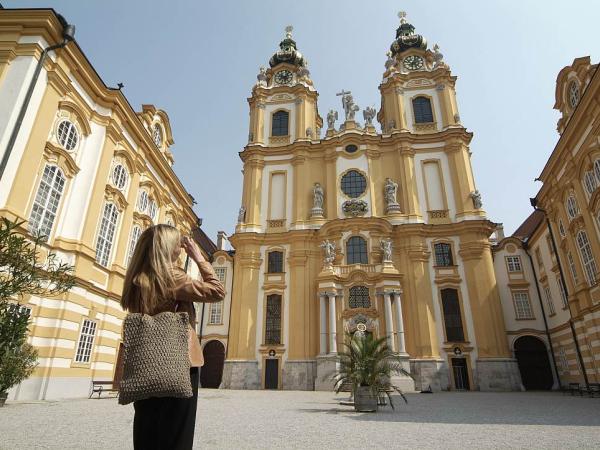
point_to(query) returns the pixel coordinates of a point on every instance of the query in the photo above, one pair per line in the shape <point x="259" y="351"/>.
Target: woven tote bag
<point x="156" y="360"/>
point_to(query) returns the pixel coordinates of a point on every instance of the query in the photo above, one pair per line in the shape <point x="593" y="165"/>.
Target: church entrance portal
<point x="532" y="357"/>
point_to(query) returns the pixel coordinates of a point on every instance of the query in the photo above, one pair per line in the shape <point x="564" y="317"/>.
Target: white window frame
<point x="47" y="200"/>
<point x="549" y="301"/>
<point x="572" y="207"/>
<point x="68" y="136"/>
<point x="120" y="179"/>
<point x="157" y="135"/>
<point x="522" y="305"/>
<point x="216" y="313"/>
<point x="590" y="269"/>
<point x="136" y="232"/>
<point x="514" y="263"/>
<point x="572" y="268"/>
<point x="107" y="232"/>
<point x="590" y="182"/>
<point x="221" y="273"/>
<point x="143" y="201"/>
<point x="574" y="94"/>
<point x="563" y="294"/>
<point x="85" y="342"/>
<point x="152" y="209"/>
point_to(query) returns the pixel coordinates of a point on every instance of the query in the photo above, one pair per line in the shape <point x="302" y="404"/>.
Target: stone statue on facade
<point x="242" y="214"/>
<point x="350" y="107"/>
<point x="329" y="249"/>
<point x="438" y="57"/>
<point x="476" y="197"/>
<point x="332" y="116"/>
<point x="386" y="248"/>
<point x="390" y="191"/>
<point x="318" y="197"/>
<point x="369" y="114"/>
<point x="390" y="63"/>
<point x="309" y="133"/>
<point x="262" y="77"/>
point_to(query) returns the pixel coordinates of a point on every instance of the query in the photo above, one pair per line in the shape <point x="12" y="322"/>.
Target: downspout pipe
<point x="537" y="286"/>
<point x="68" y="36"/>
<point x="564" y="284"/>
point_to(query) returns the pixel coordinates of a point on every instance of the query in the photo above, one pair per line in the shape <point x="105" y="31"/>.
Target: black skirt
<point x="166" y="423"/>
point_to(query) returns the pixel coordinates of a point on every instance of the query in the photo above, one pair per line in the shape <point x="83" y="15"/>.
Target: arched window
<point x="572" y="208"/>
<point x="356" y="251"/>
<point x="422" y="110"/>
<point x="443" y="254"/>
<point x="152" y="209"/>
<point x="136" y="231"/>
<point x="589" y="181"/>
<point x="143" y="202"/>
<point x="452" y="317"/>
<point x="587" y="258"/>
<point x="67" y="135"/>
<point x="275" y="263"/>
<point x="573" y="94"/>
<point x="106" y="234"/>
<point x="273" y="320"/>
<point x="46" y="201"/>
<point x="157" y="135"/>
<point x="120" y="176"/>
<point x="359" y="297"/>
<point x="280" y="123"/>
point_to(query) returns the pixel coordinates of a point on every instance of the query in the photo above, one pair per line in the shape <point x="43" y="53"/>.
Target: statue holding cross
<point x="350" y="107"/>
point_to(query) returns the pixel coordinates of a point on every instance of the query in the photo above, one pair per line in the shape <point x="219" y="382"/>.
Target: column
<point x="389" y="322"/>
<point x="332" y="324"/>
<point x="323" y="341"/>
<point x="399" y="322"/>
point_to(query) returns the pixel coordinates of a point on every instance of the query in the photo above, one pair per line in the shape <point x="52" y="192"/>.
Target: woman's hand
<point x="192" y="249"/>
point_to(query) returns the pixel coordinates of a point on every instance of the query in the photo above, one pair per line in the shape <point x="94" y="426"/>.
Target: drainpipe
<point x="562" y="280"/>
<point x="537" y="286"/>
<point x="68" y="36"/>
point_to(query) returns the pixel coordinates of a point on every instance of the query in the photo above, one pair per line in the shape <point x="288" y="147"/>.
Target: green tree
<point x="26" y="267"/>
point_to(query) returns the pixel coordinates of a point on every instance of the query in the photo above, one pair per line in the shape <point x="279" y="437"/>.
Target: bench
<point x="592" y="389"/>
<point x="102" y="386"/>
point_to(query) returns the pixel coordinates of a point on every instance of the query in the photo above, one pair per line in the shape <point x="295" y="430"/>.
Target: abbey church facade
<point x="342" y="227"/>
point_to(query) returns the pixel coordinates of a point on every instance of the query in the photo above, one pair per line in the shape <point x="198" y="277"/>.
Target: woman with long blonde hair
<point x="154" y="284"/>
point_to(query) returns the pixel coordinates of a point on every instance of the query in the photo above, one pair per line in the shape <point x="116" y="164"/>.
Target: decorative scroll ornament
<point x="318" y="197"/>
<point x="476" y="197"/>
<point x="361" y="323"/>
<point x="355" y="207"/>
<point x="329" y="249"/>
<point x="386" y="248"/>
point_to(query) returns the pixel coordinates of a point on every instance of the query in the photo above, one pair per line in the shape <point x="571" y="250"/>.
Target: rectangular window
<point x="275" y="263"/>
<point x="277" y="196"/>
<point x="572" y="268"/>
<point x="563" y="294"/>
<point x="443" y="255"/>
<point x="273" y="320"/>
<point x="106" y="234"/>
<point x="514" y="263"/>
<point x="216" y="313"/>
<point x="522" y="305"/>
<point x="452" y="316"/>
<point x="221" y="273"/>
<point x="86" y="341"/>
<point x="587" y="258"/>
<point x="47" y="199"/>
<point x="549" y="301"/>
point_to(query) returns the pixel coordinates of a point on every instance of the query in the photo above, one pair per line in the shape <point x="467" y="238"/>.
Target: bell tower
<point x="283" y="105"/>
<point x="417" y="91"/>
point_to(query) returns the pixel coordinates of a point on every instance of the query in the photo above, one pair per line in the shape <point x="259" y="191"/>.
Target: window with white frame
<point x="514" y="263"/>
<point x="573" y="94"/>
<point x="587" y="258"/>
<point x="590" y="183"/>
<point x="47" y="199"/>
<point x="106" y="233"/>
<point x="143" y="201"/>
<point x="120" y="176"/>
<point x="157" y="135"/>
<point x="67" y="135"/>
<point x="572" y="208"/>
<point x="561" y="228"/>
<point x="221" y="273"/>
<point x="136" y="232"/>
<point x="549" y="301"/>
<point x="522" y="305"/>
<point x="86" y="341"/>
<point x="216" y="313"/>
<point x="152" y="209"/>
<point x="563" y="294"/>
<point x="572" y="268"/>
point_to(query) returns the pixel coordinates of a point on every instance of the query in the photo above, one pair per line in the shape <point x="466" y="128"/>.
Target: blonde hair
<point x="149" y="279"/>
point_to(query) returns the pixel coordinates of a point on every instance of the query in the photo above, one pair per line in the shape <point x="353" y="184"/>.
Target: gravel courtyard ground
<point x="283" y="419"/>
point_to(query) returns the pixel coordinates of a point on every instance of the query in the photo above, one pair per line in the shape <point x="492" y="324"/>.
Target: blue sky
<point x="198" y="61"/>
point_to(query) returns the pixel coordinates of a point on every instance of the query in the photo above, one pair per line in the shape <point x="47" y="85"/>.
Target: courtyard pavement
<point x="315" y="420"/>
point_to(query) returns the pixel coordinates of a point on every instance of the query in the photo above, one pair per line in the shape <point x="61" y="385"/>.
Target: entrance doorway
<point x="211" y="372"/>
<point x="532" y="358"/>
<point x="271" y="373"/>
<point x="461" y="374"/>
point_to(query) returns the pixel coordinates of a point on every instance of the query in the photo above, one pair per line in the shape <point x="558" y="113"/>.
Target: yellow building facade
<point x="90" y="173"/>
<point x="346" y="228"/>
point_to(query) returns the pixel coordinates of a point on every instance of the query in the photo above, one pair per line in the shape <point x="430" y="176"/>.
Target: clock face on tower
<point x="413" y="62"/>
<point x="283" y="77"/>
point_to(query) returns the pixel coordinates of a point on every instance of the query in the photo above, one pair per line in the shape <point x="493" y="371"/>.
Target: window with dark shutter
<point x="273" y="320"/>
<point x="280" y="124"/>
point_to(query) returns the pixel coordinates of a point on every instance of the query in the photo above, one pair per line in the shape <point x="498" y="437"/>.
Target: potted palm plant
<point x="366" y="365"/>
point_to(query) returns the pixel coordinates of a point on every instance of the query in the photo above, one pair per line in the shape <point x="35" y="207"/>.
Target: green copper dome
<point x="287" y="53"/>
<point x="406" y="37"/>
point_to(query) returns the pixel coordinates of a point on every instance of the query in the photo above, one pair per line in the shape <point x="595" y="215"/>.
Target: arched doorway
<point x="212" y="370"/>
<point x="532" y="357"/>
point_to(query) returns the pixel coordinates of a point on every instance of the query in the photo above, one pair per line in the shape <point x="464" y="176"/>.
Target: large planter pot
<point x="364" y="400"/>
<point x="3" y="397"/>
